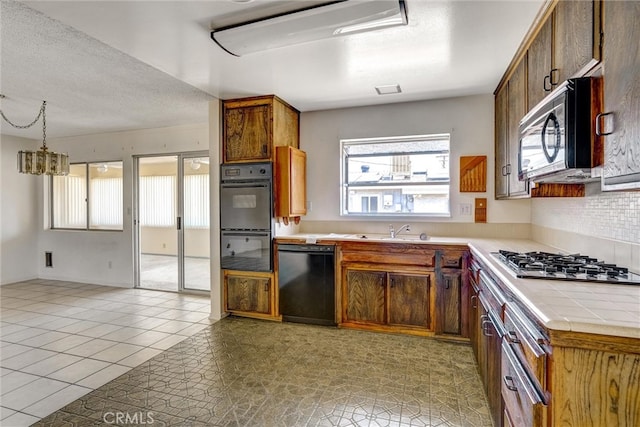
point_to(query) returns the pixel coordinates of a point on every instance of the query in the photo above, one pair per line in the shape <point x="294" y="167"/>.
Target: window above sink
<point x="396" y="176"/>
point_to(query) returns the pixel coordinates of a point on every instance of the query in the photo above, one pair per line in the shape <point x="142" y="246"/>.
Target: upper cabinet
<point x="510" y="107"/>
<point x="566" y="45"/>
<point x="516" y="109"/>
<point x="540" y="64"/>
<point x="290" y="182"/>
<point x="564" y="42"/>
<point x="254" y="126"/>
<point x="621" y="123"/>
<point x="577" y="44"/>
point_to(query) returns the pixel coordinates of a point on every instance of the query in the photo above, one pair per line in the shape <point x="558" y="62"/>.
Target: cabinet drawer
<point x="525" y="342"/>
<point x="452" y="261"/>
<point x="523" y="403"/>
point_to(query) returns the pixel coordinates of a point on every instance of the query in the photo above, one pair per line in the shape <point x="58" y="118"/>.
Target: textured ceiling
<point x="89" y="87"/>
<point x="117" y="65"/>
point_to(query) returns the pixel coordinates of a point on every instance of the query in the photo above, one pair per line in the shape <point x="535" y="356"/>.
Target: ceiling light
<point x="319" y="22"/>
<point x="103" y="168"/>
<point x="388" y="89"/>
<point x="42" y="161"/>
<point x="195" y="164"/>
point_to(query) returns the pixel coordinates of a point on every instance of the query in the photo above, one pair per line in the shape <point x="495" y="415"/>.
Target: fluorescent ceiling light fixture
<point x="388" y="89"/>
<point x="321" y="22"/>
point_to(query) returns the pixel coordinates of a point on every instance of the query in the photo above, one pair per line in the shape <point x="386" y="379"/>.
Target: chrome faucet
<point x="394" y="233"/>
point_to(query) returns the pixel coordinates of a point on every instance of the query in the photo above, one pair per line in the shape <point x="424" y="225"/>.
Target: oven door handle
<point x="251" y="184"/>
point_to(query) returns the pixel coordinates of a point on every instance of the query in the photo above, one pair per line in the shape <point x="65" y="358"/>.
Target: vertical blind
<point x="69" y="206"/>
<point x="157" y="198"/>
<point x="105" y="203"/>
<point x="196" y="201"/>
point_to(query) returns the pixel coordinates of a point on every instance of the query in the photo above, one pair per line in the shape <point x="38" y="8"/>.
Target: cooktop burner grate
<point x="576" y="267"/>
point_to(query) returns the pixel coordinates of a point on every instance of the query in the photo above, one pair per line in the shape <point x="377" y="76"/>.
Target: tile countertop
<point x="588" y="307"/>
<point x="596" y="308"/>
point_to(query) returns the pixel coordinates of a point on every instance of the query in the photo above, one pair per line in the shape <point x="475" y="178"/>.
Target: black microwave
<point x="558" y="141"/>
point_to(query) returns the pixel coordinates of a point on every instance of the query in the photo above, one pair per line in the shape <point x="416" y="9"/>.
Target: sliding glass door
<point x="172" y="222"/>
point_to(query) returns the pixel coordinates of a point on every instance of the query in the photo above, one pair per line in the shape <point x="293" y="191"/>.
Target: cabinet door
<point x="450" y="291"/>
<point x="291" y="182"/>
<point x="621" y="95"/>
<point x="516" y="105"/>
<point x="494" y="370"/>
<point x="473" y="319"/>
<point x="502" y="141"/>
<point x="539" y="65"/>
<point x="364" y="298"/>
<point x="410" y="300"/>
<point x="250" y="294"/>
<point x="577" y="38"/>
<point x="247" y="133"/>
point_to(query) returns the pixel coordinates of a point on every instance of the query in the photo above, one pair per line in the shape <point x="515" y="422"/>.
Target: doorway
<point x="172" y="251"/>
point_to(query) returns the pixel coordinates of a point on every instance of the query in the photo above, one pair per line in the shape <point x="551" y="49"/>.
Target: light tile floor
<point x="61" y="340"/>
<point x="244" y="372"/>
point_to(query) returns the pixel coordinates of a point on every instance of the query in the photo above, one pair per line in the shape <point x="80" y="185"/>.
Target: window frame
<point x="87" y="219"/>
<point x="345" y="186"/>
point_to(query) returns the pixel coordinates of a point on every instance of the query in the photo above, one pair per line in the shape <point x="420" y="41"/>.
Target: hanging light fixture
<point x="42" y="161"/>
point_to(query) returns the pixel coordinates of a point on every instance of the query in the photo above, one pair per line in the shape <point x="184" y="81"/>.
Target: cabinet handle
<point x="266" y="287"/>
<point x="264" y="149"/>
<point x="513" y="337"/>
<point x="546" y="83"/>
<point x="393" y="282"/>
<point x="447" y="284"/>
<point x="508" y="381"/>
<point x="474" y="301"/>
<point x="485" y="332"/>
<point x="599" y="126"/>
<point x="552" y="74"/>
<point x="508" y="169"/>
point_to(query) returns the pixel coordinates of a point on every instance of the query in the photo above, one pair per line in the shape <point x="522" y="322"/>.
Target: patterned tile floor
<point x="243" y="372"/>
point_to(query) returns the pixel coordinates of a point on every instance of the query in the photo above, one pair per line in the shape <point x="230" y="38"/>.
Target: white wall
<point x="19" y="221"/>
<point x="469" y="120"/>
<point x="105" y="257"/>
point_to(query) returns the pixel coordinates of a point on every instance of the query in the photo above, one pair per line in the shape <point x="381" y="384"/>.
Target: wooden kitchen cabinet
<point x="364" y="299"/>
<point x="577" y="44"/>
<point x="510" y="108"/>
<point x="387" y="298"/>
<point x="249" y="294"/>
<point x="410" y="299"/>
<point x="290" y="191"/>
<point x="567" y="45"/>
<point x="621" y="124"/>
<point x="252" y="127"/>
<point x="387" y="287"/>
<point x="451" y="293"/>
<point x="501" y="144"/>
<point x="540" y="64"/>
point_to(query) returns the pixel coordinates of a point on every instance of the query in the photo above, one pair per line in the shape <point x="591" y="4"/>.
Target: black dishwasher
<point x="306" y="281"/>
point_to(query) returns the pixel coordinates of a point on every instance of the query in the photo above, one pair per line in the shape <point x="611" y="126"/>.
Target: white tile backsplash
<point x="604" y="225"/>
<point x="607" y="215"/>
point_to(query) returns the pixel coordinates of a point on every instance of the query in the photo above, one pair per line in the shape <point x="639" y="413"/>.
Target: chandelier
<point x="42" y="161"/>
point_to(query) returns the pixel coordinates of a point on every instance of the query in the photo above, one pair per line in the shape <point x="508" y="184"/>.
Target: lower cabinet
<point x="450" y="303"/>
<point x="250" y="294"/>
<point x="387" y="299"/>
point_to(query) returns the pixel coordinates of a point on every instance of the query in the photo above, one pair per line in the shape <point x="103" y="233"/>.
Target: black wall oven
<point x="246" y="217"/>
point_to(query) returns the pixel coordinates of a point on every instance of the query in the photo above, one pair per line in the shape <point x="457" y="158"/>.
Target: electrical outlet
<point x="465" y="209"/>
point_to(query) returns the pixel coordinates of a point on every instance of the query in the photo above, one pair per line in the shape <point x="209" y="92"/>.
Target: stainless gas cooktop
<point x="574" y="267"/>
